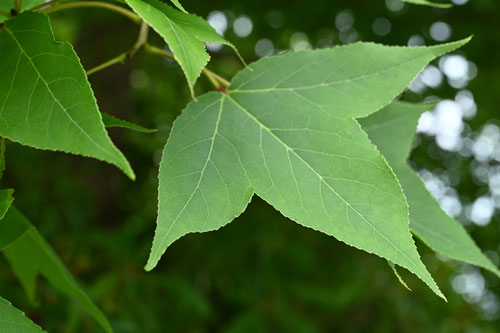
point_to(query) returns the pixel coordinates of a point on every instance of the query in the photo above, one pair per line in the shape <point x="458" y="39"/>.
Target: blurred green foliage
<point x="261" y="273"/>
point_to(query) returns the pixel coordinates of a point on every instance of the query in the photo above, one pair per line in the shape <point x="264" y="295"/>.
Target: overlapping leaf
<point x="30" y="255"/>
<point x="6" y="197"/>
<point x="14" y="321"/>
<point x="6" y="200"/>
<point x="110" y="121"/>
<point x="45" y="99"/>
<point x="286" y="131"/>
<point x="429" y="3"/>
<point x="392" y="130"/>
<point x="2" y="156"/>
<point x="184" y="33"/>
<point x="178" y="5"/>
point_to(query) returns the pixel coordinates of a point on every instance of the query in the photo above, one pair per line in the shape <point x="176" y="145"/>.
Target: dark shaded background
<point x="262" y="272"/>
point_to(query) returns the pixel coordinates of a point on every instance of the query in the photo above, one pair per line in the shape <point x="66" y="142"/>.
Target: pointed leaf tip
<point x="46" y="108"/>
<point x="186" y="35"/>
<point x="393" y="129"/>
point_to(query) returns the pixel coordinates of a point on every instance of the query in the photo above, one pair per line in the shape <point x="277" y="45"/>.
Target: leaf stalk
<point x="216" y="80"/>
<point x="141" y="40"/>
<point x="125" y="12"/>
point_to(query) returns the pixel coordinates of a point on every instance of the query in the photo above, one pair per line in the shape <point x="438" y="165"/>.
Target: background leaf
<point x="6" y="200"/>
<point x="45" y="99"/>
<point x="30" y="255"/>
<point x="178" y="5"/>
<point x="184" y="33"/>
<point x="14" y="321"/>
<point x="392" y="130"/>
<point x="110" y="121"/>
<point x="286" y="131"/>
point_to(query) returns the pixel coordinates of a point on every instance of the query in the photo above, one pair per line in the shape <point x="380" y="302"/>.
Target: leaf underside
<point x="13" y="320"/>
<point x="184" y="33"/>
<point x="45" y="99"/>
<point x="392" y="130"/>
<point x="286" y="131"/>
<point x="29" y="255"/>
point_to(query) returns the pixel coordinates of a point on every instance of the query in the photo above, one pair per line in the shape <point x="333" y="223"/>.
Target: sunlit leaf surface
<point x="286" y="131"/>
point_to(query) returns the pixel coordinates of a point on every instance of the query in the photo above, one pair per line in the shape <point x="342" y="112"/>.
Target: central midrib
<point x="23" y="51"/>
<point x="239" y="106"/>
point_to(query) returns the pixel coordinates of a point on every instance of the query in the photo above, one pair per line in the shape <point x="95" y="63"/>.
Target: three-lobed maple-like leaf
<point x="392" y="131"/>
<point x="45" y="98"/>
<point x="13" y="320"/>
<point x="184" y="33"/>
<point x="111" y="121"/>
<point x="429" y="3"/>
<point x="286" y="131"/>
<point x="29" y="255"/>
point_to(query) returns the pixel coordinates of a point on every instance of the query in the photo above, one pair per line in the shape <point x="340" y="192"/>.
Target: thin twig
<point x="141" y="39"/>
<point x="125" y="12"/>
<point x="118" y="59"/>
<point x="19" y="5"/>
<point x="219" y="78"/>
<point x="121" y="58"/>
<point x="156" y="50"/>
<point x="212" y="79"/>
<point x="46" y="4"/>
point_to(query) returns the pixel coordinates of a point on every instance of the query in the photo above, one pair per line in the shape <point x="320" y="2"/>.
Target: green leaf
<point x="14" y="321"/>
<point x="110" y="121"/>
<point x="395" y="271"/>
<point x="286" y="131"/>
<point x="184" y="33"/>
<point x="392" y="130"/>
<point x="45" y="99"/>
<point x="179" y="6"/>
<point x="429" y="3"/>
<point x="6" y="200"/>
<point x="30" y="255"/>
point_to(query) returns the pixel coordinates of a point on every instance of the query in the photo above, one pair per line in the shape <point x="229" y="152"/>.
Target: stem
<point x="141" y="40"/>
<point x="118" y="59"/>
<point x="215" y="79"/>
<point x="219" y="78"/>
<point x="156" y="50"/>
<point x="45" y="4"/>
<point x="125" y="12"/>
<point x="4" y="13"/>
<point x="19" y="4"/>
<point x="212" y="79"/>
